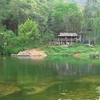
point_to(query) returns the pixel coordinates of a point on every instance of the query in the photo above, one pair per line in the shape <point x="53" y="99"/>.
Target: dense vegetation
<point x="81" y="51"/>
<point x="31" y="23"/>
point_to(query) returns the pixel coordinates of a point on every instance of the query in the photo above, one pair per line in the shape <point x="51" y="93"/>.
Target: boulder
<point x="30" y="53"/>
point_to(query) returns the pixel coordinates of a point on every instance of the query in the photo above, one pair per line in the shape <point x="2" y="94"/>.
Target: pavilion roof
<point x="68" y="34"/>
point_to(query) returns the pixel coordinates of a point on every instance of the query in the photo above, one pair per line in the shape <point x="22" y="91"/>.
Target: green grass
<point x="84" y="50"/>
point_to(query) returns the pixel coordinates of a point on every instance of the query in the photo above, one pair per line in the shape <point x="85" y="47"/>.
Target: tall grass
<point x="70" y="50"/>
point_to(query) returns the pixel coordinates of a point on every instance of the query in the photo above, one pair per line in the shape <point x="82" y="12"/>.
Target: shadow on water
<point x="52" y="78"/>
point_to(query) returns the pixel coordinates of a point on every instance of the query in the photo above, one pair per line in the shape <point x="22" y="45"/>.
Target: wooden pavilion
<point x="66" y="38"/>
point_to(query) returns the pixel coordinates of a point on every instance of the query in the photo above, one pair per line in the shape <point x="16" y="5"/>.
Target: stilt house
<point x="66" y="38"/>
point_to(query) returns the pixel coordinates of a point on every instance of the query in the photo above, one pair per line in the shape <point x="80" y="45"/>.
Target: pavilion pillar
<point x="61" y="40"/>
<point x="66" y="40"/>
<point x="58" y="41"/>
<point x="71" y="40"/>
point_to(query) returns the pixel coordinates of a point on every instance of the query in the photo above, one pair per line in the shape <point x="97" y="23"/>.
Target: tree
<point x="28" y="31"/>
<point x="68" y="16"/>
<point x="91" y="21"/>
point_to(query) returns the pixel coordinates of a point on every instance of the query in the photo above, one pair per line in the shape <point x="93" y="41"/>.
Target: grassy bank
<point x="83" y="50"/>
<point x="73" y="50"/>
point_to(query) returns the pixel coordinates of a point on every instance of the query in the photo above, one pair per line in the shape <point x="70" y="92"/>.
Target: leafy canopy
<point x="28" y="30"/>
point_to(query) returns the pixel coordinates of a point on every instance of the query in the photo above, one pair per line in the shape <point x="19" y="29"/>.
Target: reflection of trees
<point x="30" y="71"/>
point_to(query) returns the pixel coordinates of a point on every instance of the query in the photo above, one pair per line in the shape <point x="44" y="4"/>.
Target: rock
<point x="90" y="45"/>
<point x="24" y="53"/>
<point x="63" y="93"/>
<point x="59" y="99"/>
<point x="31" y="53"/>
<point x="64" y="99"/>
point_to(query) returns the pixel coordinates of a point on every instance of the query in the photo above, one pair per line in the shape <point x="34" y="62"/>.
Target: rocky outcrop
<point x="30" y="53"/>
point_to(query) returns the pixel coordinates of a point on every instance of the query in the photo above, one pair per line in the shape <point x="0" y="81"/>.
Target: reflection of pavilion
<point x="65" y="70"/>
<point x="71" y="70"/>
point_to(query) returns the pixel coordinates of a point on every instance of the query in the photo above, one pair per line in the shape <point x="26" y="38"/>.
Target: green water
<point x="52" y="78"/>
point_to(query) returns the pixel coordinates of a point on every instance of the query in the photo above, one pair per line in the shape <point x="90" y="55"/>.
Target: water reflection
<point x="55" y="78"/>
<point x="71" y="70"/>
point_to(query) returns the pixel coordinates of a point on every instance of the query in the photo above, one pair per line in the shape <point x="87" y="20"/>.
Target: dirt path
<point x="76" y="55"/>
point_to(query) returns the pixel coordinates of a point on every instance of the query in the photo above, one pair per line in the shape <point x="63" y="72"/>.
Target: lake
<point x="52" y="78"/>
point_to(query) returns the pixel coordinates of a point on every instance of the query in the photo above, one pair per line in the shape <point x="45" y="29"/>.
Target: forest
<point x="32" y="23"/>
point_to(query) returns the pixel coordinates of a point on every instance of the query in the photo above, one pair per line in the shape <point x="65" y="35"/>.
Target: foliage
<point x="83" y="50"/>
<point x="31" y="23"/>
<point x="70" y="15"/>
<point x="47" y="37"/>
<point x="91" y="22"/>
<point x="28" y="31"/>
